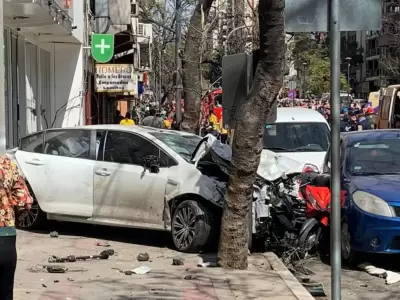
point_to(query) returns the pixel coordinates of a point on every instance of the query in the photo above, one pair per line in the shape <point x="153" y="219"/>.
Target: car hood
<point x="210" y="149"/>
<point x="272" y="165"/>
<point x="275" y="165"/>
<point x="385" y="187"/>
<point x="315" y="158"/>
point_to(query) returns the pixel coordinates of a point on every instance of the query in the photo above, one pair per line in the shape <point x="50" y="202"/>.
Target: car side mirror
<point x="152" y="163"/>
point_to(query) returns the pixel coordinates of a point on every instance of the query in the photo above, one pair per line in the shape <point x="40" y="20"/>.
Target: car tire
<point x="35" y="218"/>
<point x="348" y="254"/>
<point x="191" y="226"/>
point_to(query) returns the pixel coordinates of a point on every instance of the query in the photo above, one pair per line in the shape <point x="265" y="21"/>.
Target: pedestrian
<point x="127" y="120"/>
<point x="153" y="120"/>
<point x="14" y="195"/>
<point x="118" y="118"/>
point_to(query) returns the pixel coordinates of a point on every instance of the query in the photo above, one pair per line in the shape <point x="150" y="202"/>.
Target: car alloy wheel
<point x="192" y="226"/>
<point x="184" y="227"/>
<point x="346" y="242"/>
<point x="27" y="218"/>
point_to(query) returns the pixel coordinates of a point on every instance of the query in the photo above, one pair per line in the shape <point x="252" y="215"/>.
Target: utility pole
<point x="178" y="60"/>
<point x="336" y="263"/>
<point x="2" y="91"/>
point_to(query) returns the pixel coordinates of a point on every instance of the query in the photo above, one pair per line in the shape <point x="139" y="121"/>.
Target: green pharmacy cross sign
<point x="102" y="47"/>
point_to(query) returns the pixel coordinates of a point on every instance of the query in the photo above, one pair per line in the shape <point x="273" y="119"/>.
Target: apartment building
<point x="44" y="61"/>
<point x="380" y="66"/>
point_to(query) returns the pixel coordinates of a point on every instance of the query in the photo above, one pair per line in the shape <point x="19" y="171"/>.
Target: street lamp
<point x="305" y="82"/>
<point x="348" y="59"/>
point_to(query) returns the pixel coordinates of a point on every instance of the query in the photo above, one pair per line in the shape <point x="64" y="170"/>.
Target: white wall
<point x="68" y="84"/>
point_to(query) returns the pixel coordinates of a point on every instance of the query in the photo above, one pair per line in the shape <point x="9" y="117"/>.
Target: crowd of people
<point x="165" y="118"/>
<point x="353" y="116"/>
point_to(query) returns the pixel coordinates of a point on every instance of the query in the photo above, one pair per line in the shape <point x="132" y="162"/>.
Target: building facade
<point x="44" y="59"/>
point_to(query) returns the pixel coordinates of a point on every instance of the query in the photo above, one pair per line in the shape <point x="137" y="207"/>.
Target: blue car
<point x="371" y="177"/>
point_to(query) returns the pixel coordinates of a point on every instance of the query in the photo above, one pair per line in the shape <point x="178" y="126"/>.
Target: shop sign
<point x="116" y="78"/>
<point x="102" y="47"/>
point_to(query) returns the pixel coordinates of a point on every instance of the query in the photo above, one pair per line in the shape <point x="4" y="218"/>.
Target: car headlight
<point x="372" y="204"/>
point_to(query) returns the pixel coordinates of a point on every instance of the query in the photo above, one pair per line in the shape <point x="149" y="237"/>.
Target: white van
<point x="299" y="135"/>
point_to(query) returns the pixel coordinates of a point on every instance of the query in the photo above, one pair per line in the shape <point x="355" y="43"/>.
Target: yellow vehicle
<point x="389" y="107"/>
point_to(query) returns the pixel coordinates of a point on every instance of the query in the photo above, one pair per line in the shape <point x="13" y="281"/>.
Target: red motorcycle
<point x="315" y="191"/>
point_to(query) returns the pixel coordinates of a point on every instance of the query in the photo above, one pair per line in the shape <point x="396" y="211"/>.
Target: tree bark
<point x="191" y="67"/>
<point x="247" y="145"/>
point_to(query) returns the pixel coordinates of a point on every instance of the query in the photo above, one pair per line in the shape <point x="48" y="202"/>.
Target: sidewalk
<point x="266" y="277"/>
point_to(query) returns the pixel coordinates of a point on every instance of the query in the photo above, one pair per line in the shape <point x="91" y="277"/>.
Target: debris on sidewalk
<point x="71" y="258"/>
<point x="56" y="269"/>
<point x="54" y="234"/>
<point x="208" y="264"/>
<point x="103" y="244"/>
<point x="316" y="289"/>
<point x="141" y="270"/>
<point x="138" y="271"/>
<point x="143" y="257"/>
<point x="389" y="276"/>
<point x="178" y="261"/>
<point x="188" y="277"/>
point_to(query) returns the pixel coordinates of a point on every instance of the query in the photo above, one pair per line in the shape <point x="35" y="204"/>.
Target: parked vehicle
<point x="300" y="134"/>
<point x="370" y="178"/>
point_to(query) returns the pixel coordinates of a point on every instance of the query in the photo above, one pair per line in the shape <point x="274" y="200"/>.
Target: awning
<point x="44" y="18"/>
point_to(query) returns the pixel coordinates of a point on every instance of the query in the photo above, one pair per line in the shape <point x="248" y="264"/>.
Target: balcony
<point x="44" y="18"/>
<point x="372" y="54"/>
<point x="66" y="5"/>
<point x="371" y="35"/>
<point x="372" y="74"/>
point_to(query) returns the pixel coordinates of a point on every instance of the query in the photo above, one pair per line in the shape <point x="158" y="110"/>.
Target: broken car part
<point x="71" y="258"/>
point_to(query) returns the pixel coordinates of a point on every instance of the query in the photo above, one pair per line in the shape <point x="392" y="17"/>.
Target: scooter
<point x="315" y="190"/>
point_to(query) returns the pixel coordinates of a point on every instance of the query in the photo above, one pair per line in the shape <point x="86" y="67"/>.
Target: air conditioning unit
<point x="145" y="33"/>
<point x="134" y="9"/>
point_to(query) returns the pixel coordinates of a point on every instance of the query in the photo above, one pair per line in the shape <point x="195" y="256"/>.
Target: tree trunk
<point x="191" y="68"/>
<point x="247" y="143"/>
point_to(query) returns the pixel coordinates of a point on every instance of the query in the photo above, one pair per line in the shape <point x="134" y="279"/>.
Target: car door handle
<point x="35" y="162"/>
<point x="102" y="172"/>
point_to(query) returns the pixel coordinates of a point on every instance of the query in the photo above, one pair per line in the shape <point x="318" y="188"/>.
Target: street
<point x="103" y="279"/>
<point x="356" y="284"/>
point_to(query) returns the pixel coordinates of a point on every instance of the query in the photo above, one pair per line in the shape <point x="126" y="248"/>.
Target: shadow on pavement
<point x="144" y="237"/>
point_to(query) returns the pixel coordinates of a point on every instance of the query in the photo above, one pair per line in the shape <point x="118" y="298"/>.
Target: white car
<point x="298" y="135"/>
<point x="131" y="176"/>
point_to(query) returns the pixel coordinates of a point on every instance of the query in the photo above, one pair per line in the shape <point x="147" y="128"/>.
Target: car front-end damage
<point x="277" y="211"/>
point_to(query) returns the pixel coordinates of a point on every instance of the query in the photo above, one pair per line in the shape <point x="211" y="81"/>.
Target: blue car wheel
<point x="348" y="254"/>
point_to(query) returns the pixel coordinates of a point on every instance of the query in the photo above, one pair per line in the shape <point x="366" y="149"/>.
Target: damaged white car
<point x="123" y="176"/>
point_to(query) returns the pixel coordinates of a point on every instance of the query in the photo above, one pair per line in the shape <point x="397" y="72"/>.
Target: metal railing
<point x="373" y="52"/>
<point x="66" y="5"/>
<point x="372" y="73"/>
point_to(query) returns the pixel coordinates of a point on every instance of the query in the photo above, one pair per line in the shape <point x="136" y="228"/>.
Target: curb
<point x="298" y="290"/>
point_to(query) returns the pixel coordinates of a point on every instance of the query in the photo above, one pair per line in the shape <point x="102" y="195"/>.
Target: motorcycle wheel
<point x="310" y="238"/>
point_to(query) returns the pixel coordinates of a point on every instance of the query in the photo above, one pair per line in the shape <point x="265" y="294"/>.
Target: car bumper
<point x="366" y="228"/>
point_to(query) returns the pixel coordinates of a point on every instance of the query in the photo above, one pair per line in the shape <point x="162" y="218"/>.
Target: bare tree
<point x="247" y="144"/>
<point x="191" y="66"/>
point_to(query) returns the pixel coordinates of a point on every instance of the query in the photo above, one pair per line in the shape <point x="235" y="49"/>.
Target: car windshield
<point x="296" y="137"/>
<point x="184" y="145"/>
<point x="379" y="157"/>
